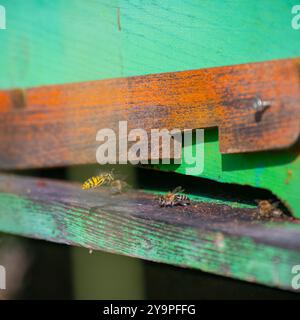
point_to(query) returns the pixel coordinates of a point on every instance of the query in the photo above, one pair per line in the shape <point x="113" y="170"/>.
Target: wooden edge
<point x="57" y="125"/>
<point x="209" y="237"/>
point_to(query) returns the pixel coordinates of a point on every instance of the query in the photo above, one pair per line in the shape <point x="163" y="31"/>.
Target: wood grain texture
<point x="53" y="42"/>
<point x="211" y="237"/>
<point x="57" y="125"/>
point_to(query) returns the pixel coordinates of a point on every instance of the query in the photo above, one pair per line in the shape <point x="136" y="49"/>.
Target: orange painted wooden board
<point x="57" y="125"/>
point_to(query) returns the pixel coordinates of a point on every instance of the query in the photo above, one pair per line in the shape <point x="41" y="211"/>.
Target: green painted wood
<point x="211" y="237"/>
<point x="49" y="42"/>
<point x="55" y="42"/>
<point x="278" y="171"/>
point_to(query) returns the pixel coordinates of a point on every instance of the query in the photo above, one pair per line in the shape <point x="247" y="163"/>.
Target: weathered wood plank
<point x="57" y="125"/>
<point x="83" y="42"/>
<point x="214" y="238"/>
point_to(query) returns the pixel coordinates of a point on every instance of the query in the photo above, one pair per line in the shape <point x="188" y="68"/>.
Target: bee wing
<point x="115" y="174"/>
<point x="100" y="172"/>
<point x="126" y="185"/>
<point x="120" y="176"/>
<point x="276" y="204"/>
<point x="178" y="190"/>
<point x="112" y="173"/>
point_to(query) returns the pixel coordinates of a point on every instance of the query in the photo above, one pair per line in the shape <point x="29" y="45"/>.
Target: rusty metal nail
<point x="261" y="105"/>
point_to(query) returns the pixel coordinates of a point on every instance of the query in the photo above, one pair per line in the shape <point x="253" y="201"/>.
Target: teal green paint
<point x="48" y="42"/>
<point x="237" y="257"/>
<point x="57" y="42"/>
<point x="14" y="220"/>
<point x="269" y="170"/>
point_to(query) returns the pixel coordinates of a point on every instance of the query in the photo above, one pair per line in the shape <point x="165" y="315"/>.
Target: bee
<point x="97" y="181"/>
<point x="268" y="209"/>
<point x="173" y="198"/>
<point x="119" y="186"/>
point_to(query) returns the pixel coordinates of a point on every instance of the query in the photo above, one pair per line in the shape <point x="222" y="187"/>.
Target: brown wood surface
<point x="57" y="125"/>
<point x="216" y="238"/>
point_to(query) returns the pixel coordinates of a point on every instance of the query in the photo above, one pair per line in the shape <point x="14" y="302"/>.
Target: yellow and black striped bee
<point x="97" y="181"/>
<point x="173" y="198"/>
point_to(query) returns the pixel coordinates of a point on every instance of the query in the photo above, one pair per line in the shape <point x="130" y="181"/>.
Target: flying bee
<point x="173" y="198"/>
<point x="119" y="186"/>
<point x="99" y="180"/>
<point x="268" y="209"/>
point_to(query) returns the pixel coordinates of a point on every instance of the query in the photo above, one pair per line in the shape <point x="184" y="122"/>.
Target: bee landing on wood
<point x="173" y="198"/>
<point x="97" y="181"/>
<point x="268" y="209"/>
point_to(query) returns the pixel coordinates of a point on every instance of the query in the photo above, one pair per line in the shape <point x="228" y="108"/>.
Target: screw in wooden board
<point x="261" y="105"/>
